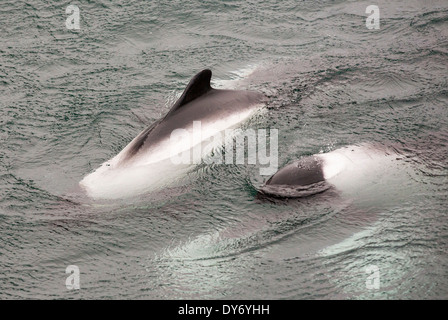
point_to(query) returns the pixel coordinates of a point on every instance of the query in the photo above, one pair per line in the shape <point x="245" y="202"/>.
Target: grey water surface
<point x="72" y="99"/>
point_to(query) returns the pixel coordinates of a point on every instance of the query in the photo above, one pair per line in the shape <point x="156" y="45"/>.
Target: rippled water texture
<point x="71" y="100"/>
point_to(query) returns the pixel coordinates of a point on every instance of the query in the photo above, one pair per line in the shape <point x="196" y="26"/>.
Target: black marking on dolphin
<point x="301" y="178"/>
<point x="299" y="173"/>
<point x="198" y="86"/>
<point x="198" y="101"/>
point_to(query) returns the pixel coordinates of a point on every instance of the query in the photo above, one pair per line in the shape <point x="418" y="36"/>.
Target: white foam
<point x="356" y="168"/>
<point x="235" y="77"/>
<point x="334" y="163"/>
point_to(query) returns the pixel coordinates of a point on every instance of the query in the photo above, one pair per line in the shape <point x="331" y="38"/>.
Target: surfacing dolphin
<point x="345" y="169"/>
<point x="145" y="161"/>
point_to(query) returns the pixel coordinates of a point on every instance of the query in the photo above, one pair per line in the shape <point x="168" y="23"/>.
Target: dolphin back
<point x="198" y="86"/>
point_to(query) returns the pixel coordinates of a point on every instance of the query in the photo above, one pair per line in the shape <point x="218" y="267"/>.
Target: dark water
<point x="73" y="99"/>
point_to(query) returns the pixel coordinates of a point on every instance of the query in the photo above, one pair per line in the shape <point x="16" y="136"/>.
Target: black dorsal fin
<point x="198" y="85"/>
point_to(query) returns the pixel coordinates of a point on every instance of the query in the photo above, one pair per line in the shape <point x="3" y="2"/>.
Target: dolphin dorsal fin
<point x="198" y="85"/>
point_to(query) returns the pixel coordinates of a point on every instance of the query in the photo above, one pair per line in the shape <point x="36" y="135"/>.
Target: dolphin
<point x="345" y="169"/>
<point x="145" y="161"/>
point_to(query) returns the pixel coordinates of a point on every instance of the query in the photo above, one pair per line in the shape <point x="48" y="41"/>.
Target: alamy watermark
<point x="72" y="281"/>
<point x="72" y="21"/>
<point x="373" y="280"/>
<point x="193" y="146"/>
<point x="373" y="20"/>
